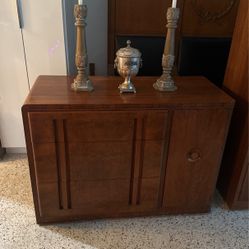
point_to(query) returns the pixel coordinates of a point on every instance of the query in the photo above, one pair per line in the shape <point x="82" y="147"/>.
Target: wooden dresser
<point x="102" y="154"/>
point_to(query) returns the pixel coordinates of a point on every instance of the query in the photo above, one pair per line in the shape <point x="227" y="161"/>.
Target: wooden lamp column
<point x="166" y="82"/>
<point x="81" y="82"/>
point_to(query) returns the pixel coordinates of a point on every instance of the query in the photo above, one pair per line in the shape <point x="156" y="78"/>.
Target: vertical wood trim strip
<point x="141" y="160"/>
<point x="137" y="159"/>
<point x="58" y="163"/>
<point x="62" y="164"/>
<point x="164" y="161"/>
<point x="32" y="163"/>
<point x="133" y="161"/>
<point x="67" y="169"/>
<point x="136" y="163"/>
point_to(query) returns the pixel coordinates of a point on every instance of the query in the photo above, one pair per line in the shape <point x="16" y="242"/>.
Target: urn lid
<point x="128" y="52"/>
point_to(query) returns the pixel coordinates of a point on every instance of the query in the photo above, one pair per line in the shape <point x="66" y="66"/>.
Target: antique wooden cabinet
<point x="102" y="154"/>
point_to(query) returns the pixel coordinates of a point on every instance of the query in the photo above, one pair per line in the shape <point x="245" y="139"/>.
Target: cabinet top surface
<point x="53" y="92"/>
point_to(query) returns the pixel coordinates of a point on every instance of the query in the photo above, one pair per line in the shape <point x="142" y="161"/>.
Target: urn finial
<point x="128" y="43"/>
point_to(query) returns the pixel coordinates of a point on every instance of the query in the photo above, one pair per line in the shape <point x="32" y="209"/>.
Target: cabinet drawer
<point x="83" y="195"/>
<point x="102" y="193"/>
<point x="102" y="160"/>
<point x="101" y="127"/>
<point x="82" y="127"/>
<point x="86" y="161"/>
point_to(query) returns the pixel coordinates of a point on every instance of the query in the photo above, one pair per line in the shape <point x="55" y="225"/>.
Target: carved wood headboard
<point x="199" y="18"/>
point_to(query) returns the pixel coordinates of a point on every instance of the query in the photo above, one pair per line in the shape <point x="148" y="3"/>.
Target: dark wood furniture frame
<point x="213" y="19"/>
<point x="102" y="154"/>
<point x="233" y="179"/>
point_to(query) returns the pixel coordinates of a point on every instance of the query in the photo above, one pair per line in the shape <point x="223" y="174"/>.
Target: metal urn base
<point x="127" y="87"/>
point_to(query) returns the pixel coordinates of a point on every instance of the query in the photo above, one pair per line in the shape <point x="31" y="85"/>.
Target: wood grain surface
<point x="102" y="154"/>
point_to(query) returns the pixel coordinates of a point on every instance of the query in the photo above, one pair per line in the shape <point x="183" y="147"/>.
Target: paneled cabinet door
<point x="196" y="146"/>
<point x="82" y="161"/>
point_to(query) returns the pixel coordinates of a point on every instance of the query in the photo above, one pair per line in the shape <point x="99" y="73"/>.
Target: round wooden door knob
<point x="194" y="156"/>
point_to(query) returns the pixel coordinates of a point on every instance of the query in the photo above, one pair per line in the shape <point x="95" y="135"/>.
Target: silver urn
<point x="128" y="62"/>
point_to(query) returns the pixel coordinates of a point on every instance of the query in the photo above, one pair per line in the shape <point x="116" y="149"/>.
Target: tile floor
<point x="220" y="229"/>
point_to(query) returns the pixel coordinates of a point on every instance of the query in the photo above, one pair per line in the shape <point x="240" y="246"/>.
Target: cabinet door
<point x="196" y="147"/>
<point x="82" y="161"/>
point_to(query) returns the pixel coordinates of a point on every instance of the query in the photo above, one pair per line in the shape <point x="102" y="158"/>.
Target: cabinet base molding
<point x="130" y="214"/>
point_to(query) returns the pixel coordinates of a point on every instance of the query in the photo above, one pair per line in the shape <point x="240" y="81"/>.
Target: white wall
<point x="43" y="38"/>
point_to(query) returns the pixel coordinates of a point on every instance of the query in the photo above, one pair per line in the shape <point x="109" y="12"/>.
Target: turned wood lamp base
<point x="80" y="86"/>
<point x="166" y="83"/>
<point x="81" y="82"/>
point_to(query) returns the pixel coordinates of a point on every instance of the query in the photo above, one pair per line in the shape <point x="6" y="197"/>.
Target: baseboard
<point x="19" y="150"/>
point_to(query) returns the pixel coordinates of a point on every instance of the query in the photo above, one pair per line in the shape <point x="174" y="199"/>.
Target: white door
<point x="13" y="76"/>
<point x="43" y="37"/>
<point x="38" y="48"/>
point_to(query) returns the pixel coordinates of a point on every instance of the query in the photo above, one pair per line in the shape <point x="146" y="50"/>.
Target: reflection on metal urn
<point x="127" y="63"/>
<point x="166" y="82"/>
<point x="81" y="82"/>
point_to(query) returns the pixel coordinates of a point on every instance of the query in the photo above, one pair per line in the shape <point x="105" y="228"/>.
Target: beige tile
<point x="221" y="229"/>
